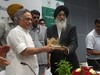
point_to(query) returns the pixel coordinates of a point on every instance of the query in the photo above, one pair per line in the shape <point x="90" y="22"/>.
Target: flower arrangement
<point x="64" y="68"/>
<point x="84" y="70"/>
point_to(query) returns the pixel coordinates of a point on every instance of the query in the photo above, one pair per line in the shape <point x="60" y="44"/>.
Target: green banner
<point x="47" y="14"/>
<point x="60" y="0"/>
<point x="48" y="7"/>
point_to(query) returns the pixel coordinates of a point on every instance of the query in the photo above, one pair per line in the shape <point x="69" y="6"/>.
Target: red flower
<point x="84" y="70"/>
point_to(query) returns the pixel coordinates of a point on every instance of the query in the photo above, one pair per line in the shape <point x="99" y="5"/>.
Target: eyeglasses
<point x="42" y="23"/>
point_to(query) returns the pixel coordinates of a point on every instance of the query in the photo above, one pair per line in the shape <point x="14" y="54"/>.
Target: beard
<point x="61" y="24"/>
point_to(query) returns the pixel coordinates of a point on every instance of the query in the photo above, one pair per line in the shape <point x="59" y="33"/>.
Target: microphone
<point x="28" y="66"/>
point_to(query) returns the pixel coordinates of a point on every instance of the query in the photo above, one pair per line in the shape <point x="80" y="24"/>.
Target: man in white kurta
<point x="19" y="39"/>
<point x="22" y="47"/>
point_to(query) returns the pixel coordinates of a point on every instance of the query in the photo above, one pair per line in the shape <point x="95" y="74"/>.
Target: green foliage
<point x="64" y="67"/>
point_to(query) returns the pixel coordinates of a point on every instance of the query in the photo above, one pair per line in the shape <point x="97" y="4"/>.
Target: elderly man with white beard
<point x="67" y="36"/>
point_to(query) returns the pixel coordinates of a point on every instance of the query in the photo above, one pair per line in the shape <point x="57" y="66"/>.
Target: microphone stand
<point x="28" y="66"/>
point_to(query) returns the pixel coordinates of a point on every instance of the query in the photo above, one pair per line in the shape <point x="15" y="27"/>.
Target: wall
<point x="33" y="4"/>
<point x="82" y="15"/>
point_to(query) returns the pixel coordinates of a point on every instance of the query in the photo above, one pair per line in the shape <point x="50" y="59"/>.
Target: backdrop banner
<point x="48" y="7"/>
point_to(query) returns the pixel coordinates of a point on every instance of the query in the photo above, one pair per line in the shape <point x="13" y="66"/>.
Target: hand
<point x="48" y="48"/>
<point x="64" y="49"/>
<point x="4" y="62"/>
<point x="4" y="50"/>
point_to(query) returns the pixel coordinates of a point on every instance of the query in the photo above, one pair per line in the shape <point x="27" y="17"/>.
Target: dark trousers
<point x="94" y="63"/>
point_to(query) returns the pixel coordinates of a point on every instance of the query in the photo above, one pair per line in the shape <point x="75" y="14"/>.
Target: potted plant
<point x="64" y="68"/>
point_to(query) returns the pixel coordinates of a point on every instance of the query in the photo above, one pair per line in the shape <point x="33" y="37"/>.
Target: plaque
<point x="54" y="43"/>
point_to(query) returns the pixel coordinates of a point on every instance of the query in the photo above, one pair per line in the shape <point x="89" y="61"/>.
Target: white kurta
<point x="19" y="39"/>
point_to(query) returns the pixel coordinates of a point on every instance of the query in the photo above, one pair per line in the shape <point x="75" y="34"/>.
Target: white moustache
<point x="61" y="24"/>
